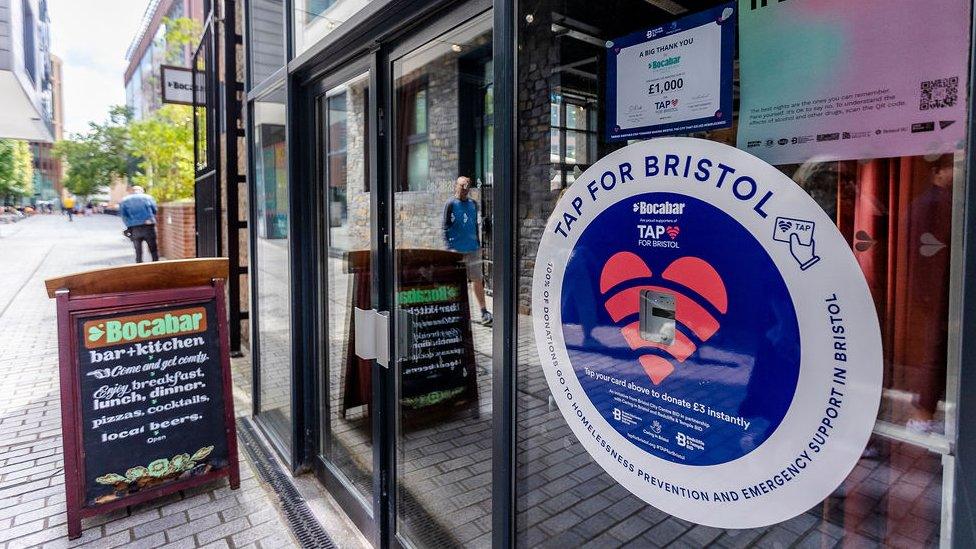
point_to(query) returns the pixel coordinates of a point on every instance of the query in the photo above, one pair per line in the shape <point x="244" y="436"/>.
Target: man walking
<point x="461" y="235"/>
<point x="138" y="211"/>
<point x="68" y="207"/>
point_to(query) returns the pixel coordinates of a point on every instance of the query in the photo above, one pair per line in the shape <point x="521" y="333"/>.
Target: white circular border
<point x="836" y="273"/>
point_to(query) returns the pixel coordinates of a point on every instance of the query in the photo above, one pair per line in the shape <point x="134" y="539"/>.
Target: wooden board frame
<point x="70" y="307"/>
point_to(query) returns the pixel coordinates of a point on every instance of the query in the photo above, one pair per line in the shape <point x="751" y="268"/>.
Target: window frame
<point x="591" y="131"/>
<point x="407" y="102"/>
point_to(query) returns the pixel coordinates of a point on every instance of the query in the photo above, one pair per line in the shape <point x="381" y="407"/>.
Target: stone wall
<point x="176" y="230"/>
<point x="418" y="213"/>
<point x="535" y="83"/>
<point x="356" y="196"/>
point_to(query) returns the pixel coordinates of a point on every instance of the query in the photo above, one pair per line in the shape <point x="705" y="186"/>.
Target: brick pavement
<point x="32" y="511"/>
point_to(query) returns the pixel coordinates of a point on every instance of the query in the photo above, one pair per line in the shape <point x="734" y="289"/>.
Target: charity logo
<point x="701" y="373"/>
<point x="668" y="325"/>
<point x="666" y="104"/>
<point x="690" y="319"/>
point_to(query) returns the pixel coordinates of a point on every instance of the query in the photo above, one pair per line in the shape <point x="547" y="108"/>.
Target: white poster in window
<point x="671" y="79"/>
<point x="845" y="80"/>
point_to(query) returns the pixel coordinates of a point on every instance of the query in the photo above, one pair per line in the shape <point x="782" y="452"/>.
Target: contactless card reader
<point x="657" y="316"/>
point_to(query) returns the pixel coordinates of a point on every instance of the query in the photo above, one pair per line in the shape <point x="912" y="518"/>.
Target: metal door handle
<point x="365" y="343"/>
<point x="372" y="329"/>
<point x="382" y="326"/>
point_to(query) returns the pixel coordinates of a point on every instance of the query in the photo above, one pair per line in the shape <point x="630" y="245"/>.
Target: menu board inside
<point x="151" y="399"/>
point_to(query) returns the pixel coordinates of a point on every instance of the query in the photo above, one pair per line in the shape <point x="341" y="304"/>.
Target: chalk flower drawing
<point x="157" y="472"/>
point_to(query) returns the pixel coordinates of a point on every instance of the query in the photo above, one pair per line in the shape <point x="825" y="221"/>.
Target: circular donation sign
<point x="707" y="332"/>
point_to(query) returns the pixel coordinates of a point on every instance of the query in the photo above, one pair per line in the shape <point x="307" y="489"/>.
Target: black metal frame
<point x="219" y="171"/>
<point x="207" y="173"/>
<point x="233" y="93"/>
<point x="505" y="278"/>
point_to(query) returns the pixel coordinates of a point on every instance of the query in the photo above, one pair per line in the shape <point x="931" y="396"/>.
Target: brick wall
<point x="176" y="230"/>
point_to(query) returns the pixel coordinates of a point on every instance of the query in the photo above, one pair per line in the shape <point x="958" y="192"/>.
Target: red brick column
<point x="176" y="230"/>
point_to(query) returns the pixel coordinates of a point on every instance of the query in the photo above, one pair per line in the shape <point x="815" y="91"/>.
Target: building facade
<point x="25" y="71"/>
<point x="48" y="169"/>
<point x="148" y="51"/>
<point x="371" y="369"/>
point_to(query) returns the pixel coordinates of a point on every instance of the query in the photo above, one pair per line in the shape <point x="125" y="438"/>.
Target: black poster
<point x="151" y="399"/>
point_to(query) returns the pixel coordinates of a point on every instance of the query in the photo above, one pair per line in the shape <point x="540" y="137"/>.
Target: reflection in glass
<point x="201" y="111"/>
<point x="314" y="19"/>
<point x="897" y="214"/>
<point x="346" y="433"/>
<point x="443" y="129"/>
<point x="267" y="38"/>
<point x="572" y="137"/>
<point x="270" y="179"/>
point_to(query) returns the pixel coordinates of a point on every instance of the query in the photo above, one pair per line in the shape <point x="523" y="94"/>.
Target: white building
<point x="25" y="71"/>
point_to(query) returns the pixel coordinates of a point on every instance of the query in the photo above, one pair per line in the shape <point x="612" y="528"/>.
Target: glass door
<point x="345" y="381"/>
<point x="441" y="213"/>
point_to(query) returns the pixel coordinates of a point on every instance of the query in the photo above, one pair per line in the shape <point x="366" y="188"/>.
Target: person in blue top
<point x="138" y="211"/>
<point x="461" y="235"/>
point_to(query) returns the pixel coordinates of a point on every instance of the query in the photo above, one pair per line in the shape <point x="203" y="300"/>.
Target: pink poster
<point x="843" y="80"/>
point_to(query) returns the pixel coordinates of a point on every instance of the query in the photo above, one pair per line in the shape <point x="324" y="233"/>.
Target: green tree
<point x="163" y="144"/>
<point x="92" y="159"/>
<point x="16" y="169"/>
<point x="180" y="33"/>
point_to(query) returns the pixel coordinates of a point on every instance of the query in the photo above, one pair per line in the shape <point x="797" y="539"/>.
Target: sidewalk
<point x="32" y="508"/>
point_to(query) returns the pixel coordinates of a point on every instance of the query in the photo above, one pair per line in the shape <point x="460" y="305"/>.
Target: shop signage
<point x="145" y="384"/>
<point x="178" y="86"/>
<point x="707" y="333"/>
<point x="823" y="80"/>
<point x="675" y="78"/>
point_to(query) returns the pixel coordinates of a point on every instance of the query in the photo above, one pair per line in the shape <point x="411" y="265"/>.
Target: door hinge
<point x="380" y="121"/>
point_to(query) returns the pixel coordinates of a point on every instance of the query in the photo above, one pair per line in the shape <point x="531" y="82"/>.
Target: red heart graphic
<point x="694" y="274"/>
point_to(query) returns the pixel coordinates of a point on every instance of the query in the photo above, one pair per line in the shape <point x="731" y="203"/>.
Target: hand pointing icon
<point x="804" y="254"/>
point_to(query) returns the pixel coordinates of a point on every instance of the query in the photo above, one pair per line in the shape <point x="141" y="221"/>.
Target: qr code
<point x="941" y="93"/>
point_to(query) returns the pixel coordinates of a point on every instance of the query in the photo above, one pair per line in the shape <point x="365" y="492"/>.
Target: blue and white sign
<point x="707" y="332"/>
<point x="676" y="78"/>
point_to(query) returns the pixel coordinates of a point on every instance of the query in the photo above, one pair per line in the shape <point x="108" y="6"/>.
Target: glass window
<point x="270" y="178"/>
<point x="414" y="151"/>
<point x="337" y="158"/>
<point x="202" y="112"/>
<point x="314" y="19"/>
<point x="267" y="38"/>
<point x="346" y="434"/>
<point x="573" y="138"/>
<point x="899" y="214"/>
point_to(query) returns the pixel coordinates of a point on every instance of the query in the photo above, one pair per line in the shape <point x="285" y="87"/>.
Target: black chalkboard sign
<point x="436" y="362"/>
<point x="146" y="404"/>
<point x="152" y="402"/>
<point x="439" y="365"/>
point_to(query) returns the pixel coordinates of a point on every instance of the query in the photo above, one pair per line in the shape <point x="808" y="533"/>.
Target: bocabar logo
<point x="130" y="329"/>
